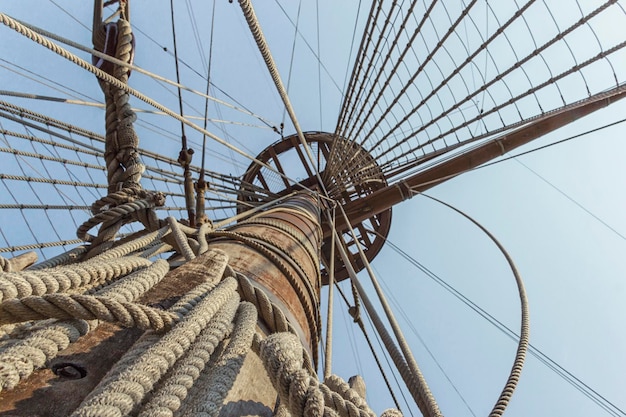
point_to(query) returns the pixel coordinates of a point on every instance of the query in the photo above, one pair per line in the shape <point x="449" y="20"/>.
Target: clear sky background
<point x="558" y="211"/>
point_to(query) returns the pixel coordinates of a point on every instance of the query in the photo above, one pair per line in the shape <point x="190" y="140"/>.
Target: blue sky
<point x="538" y="205"/>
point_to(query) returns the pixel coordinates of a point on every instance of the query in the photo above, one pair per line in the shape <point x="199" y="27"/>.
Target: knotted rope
<point x="126" y="200"/>
<point x="299" y="392"/>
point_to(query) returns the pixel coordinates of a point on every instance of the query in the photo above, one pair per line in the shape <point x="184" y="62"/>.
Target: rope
<point x="23" y="30"/>
<point x="304" y="297"/>
<point x="133" y="286"/>
<point x="133" y="377"/>
<point x="21" y="359"/>
<point x="5" y="265"/>
<point x="270" y="313"/>
<point x="299" y="392"/>
<point x="26" y="283"/>
<point x="135" y="245"/>
<point x="87" y="307"/>
<point x="115" y="217"/>
<point x="522" y="347"/>
<point x="71" y="256"/>
<point x="414" y="381"/>
<point x="209" y="396"/>
<point x="330" y="268"/>
<point x="33" y="351"/>
<point x="337" y="385"/>
<point x="172" y="391"/>
<point x="257" y="33"/>
<point x="181" y="239"/>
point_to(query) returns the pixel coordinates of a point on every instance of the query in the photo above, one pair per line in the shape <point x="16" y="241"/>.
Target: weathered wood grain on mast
<point x="289" y="233"/>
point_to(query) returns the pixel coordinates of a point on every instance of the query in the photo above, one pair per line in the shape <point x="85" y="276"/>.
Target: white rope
<point x="47" y="281"/>
<point x="173" y="390"/>
<point x="207" y="398"/>
<point x="127" y="388"/>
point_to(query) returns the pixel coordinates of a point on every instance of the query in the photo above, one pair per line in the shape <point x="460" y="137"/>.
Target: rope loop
<point x="116" y="217"/>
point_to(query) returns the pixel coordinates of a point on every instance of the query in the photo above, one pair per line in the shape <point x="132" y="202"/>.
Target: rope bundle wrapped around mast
<point x="188" y="360"/>
<point x="123" y="163"/>
<point x="170" y="372"/>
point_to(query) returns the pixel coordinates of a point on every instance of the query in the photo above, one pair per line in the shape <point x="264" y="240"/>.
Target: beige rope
<point x="22" y="358"/>
<point x="135" y="244"/>
<point x="181" y="239"/>
<point x="522" y="347"/>
<point x="33" y="351"/>
<point x="172" y="391"/>
<point x="116" y="215"/>
<point x="26" y="283"/>
<point x="63" y="306"/>
<point x="270" y="313"/>
<point x="414" y="381"/>
<point x="298" y="391"/>
<point x="23" y="30"/>
<point x="207" y="398"/>
<point x="71" y="256"/>
<point x="132" y="380"/>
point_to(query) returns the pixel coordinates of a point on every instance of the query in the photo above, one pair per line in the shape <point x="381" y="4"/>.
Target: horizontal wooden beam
<point x="387" y="197"/>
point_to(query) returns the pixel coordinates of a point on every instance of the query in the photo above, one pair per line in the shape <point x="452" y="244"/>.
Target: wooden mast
<point x="276" y="249"/>
<point x="381" y="200"/>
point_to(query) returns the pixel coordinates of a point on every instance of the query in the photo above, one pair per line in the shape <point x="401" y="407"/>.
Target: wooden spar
<point x="385" y="198"/>
<point x="277" y="249"/>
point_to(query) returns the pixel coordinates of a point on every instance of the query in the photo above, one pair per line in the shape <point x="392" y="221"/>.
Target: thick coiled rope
<point x="71" y="256"/>
<point x="45" y="341"/>
<point x="299" y="392"/>
<point x="127" y="388"/>
<point x="172" y="391"/>
<point x="20" y="359"/>
<point x="87" y="307"/>
<point x="115" y="217"/>
<point x="270" y="313"/>
<point x="207" y="397"/>
<point x="26" y="283"/>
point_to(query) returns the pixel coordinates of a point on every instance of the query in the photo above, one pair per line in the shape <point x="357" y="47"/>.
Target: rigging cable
<point x="129" y="66"/>
<point x="520" y="355"/>
<point x="293" y="54"/>
<point x="201" y="185"/>
<point x="374" y="355"/>
<point x="330" y="267"/>
<point x="24" y="30"/>
<point x="185" y="155"/>
<point x="566" y="375"/>
<point x="423" y="342"/>
<point x="411" y="375"/>
<point x="564" y="194"/>
<point x="570" y="378"/>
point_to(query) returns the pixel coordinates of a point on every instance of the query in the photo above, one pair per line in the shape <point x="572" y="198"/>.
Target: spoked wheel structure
<point x="289" y="157"/>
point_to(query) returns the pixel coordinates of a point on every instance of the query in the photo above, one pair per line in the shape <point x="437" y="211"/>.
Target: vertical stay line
<point x="367" y="36"/>
<point x="184" y="158"/>
<point x="375" y="53"/>
<point x="293" y="53"/>
<point x="201" y="186"/>
<point x="319" y="62"/>
<point x="330" y="267"/>
<point x="180" y="96"/>
<point x="257" y="33"/>
<point x="428" y="59"/>
<point x="396" y="65"/>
